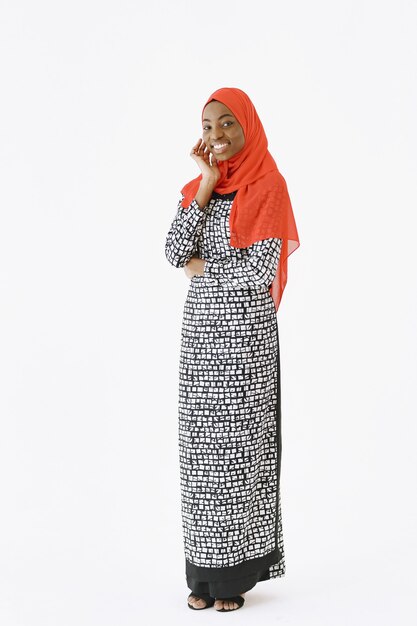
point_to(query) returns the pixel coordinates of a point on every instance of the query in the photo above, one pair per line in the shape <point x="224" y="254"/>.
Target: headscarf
<point x="261" y="208"/>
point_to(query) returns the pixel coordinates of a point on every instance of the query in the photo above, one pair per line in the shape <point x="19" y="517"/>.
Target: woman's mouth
<point x="220" y="147"/>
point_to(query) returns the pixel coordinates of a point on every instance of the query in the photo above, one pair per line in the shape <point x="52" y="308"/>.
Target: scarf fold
<point x="261" y="208"/>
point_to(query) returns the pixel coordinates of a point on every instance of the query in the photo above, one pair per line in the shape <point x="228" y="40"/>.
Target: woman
<point x="232" y="233"/>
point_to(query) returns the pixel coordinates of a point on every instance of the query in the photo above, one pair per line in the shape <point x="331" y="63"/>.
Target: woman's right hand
<point x="201" y="155"/>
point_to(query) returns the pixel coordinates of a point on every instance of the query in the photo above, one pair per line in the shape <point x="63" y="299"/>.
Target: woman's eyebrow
<point x="220" y="117"/>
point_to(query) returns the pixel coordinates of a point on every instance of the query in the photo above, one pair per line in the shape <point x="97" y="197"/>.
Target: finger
<point x="196" y="147"/>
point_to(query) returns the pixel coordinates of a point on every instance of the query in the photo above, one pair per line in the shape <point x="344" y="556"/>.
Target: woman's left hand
<point x="195" y="266"/>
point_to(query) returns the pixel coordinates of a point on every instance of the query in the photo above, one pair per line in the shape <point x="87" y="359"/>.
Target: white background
<point x="100" y="105"/>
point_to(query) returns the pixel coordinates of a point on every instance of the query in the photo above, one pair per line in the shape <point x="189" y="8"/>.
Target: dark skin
<point x="219" y="126"/>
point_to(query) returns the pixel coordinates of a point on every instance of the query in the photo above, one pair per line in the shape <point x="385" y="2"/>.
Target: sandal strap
<point x="203" y="596"/>
<point x="240" y="600"/>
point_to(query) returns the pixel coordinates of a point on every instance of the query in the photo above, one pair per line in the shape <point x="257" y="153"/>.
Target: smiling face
<point x="222" y="133"/>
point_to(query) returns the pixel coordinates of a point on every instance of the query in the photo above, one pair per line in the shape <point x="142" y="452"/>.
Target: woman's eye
<point x="208" y="127"/>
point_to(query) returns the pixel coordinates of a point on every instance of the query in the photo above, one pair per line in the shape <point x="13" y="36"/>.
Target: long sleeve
<point x="257" y="268"/>
<point x="181" y="241"/>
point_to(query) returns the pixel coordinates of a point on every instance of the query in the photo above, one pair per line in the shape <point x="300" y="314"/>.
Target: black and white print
<point x="229" y="411"/>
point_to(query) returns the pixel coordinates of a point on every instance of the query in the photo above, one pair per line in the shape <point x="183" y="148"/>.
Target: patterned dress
<point x="229" y="408"/>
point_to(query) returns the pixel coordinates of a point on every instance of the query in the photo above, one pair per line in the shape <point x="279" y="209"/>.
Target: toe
<point x="228" y="605"/>
<point x="197" y="602"/>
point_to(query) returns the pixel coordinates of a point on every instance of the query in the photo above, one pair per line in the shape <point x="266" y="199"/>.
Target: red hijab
<point x="261" y="208"/>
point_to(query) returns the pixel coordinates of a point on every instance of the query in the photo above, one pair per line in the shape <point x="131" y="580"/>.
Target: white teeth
<point x="219" y="145"/>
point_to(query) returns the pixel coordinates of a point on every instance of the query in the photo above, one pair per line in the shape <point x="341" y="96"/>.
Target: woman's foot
<point x="227" y="605"/>
<point x="196" y="601"/>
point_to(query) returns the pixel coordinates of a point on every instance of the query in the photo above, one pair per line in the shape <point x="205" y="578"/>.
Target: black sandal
<point x="202" y="596"/>
<point x="240" y="601"/>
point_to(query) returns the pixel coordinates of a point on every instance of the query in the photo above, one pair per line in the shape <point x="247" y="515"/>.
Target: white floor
<point x="366" y="591"/>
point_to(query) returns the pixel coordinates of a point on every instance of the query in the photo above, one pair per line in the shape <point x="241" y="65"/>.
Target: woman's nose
<point x="217" y="134"/>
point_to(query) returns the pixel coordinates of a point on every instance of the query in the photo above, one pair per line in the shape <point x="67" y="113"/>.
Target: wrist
<point x="208" y="183"/>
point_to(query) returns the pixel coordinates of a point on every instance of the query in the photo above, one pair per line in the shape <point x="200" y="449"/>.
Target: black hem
<point x="233" y="571"/>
